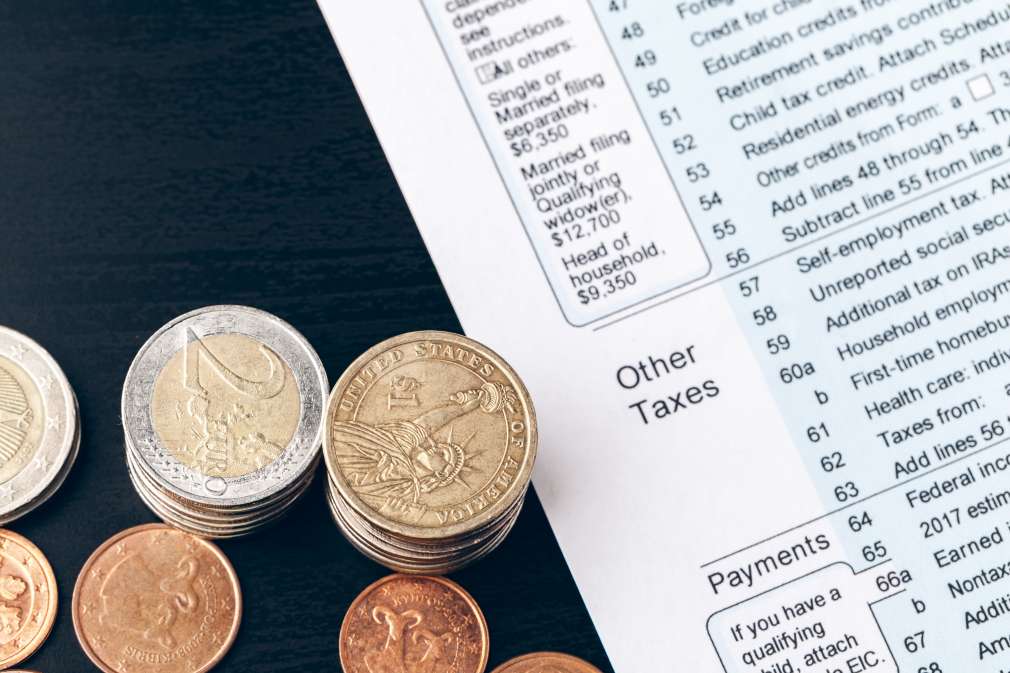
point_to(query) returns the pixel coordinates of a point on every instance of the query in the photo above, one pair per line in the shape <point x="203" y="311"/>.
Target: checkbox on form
<point x="981" y="87"/>
<point x="487" y="72"/>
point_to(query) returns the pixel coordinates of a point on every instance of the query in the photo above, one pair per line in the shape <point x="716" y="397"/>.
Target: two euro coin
<point x="429" y="443"/>
<point x="39" y="428"/>
<point x="222" y="413"/>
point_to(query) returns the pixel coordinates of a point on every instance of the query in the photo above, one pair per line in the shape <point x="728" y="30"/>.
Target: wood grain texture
<point x="158" y="157"/>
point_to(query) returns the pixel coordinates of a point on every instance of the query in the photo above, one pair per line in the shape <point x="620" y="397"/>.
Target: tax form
<point x="753" y="261"/>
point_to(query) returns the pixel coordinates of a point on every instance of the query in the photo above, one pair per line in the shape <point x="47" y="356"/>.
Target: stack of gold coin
<point x="430" y="441"/>
<point x="222" y="413"/>
<point x="39" y="429"/>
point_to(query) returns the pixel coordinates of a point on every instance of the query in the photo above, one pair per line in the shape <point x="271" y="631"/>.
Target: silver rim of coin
<point x="272" y="481"/>
<point x="37" y="479"/>
<point x="205" y="529"/>
<point x="207" y="522"/>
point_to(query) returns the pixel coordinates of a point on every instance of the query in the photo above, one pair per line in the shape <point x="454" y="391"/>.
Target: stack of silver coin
<point x="430" y="442"/>
<point x="40" y="433"/>
<point x="222" y="414"/>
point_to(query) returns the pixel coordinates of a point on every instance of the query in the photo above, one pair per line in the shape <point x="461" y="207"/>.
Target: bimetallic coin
<point x="39" y="432"/>
<point x="156" y="599"/>
<point x="208" y="524"/>
<point x="57" y="481"/>
<point x="225" y="404"/>
<point x="28" y="598"/>
<point x="401" y="620"/>
<point x="430" y="435"/>
<point x="222" y="412"/>
<point x="546" y="662"/>
<point x="245" y="423"/>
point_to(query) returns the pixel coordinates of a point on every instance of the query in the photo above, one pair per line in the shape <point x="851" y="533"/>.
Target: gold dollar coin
<point x="28" y="598"/>
<point x="153" y="599"/>
<point x="430" y="435"/>
<point x="546" y="662"/>
<point x="414" y="623"/>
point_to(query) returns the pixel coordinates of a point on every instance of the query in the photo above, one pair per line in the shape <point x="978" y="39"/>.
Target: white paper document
<point x="753" y="261"/>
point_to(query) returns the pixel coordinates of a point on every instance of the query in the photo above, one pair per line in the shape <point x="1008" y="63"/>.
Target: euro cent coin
<point x="546" y="662"/>
<point x="28" y="598"/>
<point x="430" y="435"/>
<point x="401" y="620"/>
<point x="155" y="599"/>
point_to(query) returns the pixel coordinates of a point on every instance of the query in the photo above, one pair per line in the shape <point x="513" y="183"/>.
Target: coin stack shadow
<point x="429" y="442"/>
<point x="222" y="415"/>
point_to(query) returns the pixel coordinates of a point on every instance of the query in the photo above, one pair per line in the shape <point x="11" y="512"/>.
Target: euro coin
<point x="222" y="412"/>
<point x="401" y="620"/>
<point x="156" y="599"/>
<point x="28" y="598"/>
<point x="39" y="429"/>
<point x="546" y="662"/>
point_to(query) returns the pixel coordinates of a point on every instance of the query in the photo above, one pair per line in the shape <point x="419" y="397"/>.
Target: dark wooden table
<point x="158" y="157"/>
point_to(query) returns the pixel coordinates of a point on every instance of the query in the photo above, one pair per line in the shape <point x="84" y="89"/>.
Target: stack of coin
<point x="152" y="598"/>
<point x="222" y="412"/>
<point x="39" y="429"/>
<point x="429" y="444"/>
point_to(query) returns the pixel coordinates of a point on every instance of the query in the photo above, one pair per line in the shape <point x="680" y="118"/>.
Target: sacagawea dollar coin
<point x="154" y="599"/>
<point x="39" y="428"/>
<point x="430" y="440"/>
<point x="405" y="561"/>
<point x="222" y="412"/>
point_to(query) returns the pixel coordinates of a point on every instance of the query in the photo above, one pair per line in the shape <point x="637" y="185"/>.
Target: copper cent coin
<point x="28" y="598"/>
<point x="153" y="598"/>
<point x="546" y="662"/>
<point x="414" y="623"/>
